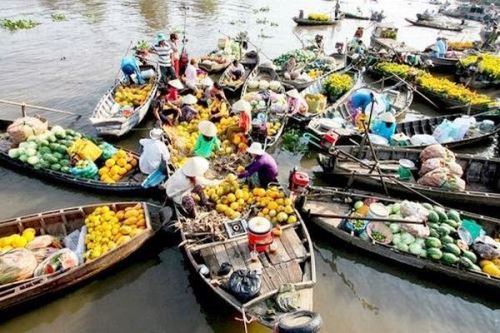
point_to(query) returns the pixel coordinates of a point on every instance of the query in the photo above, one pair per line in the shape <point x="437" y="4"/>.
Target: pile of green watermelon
<point x="47" y="150"/>
<point x="443" y="243"/>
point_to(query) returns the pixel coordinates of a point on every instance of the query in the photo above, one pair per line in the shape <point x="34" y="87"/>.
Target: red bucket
<point x="259" y="234"/>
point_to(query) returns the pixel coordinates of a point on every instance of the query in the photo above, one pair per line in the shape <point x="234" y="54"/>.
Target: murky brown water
<point x="70" y="64"/>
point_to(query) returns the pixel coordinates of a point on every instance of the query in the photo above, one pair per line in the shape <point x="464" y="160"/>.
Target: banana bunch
<point x="318" y="17"/>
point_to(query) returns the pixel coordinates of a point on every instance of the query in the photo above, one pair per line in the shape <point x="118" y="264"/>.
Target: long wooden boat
<point x="334" y="201"/>
<point x="420" y="126"/>
<point x="307" y="22"/>
<point x="318" y="88"/>
<point x="250" y="62"/>
<point x="60" y="223"/>
<point x="107" y="118"/>
<point x="482" y="175"/>
<point x="293" y="264"/>
<point x="441" y="64"/>
<point x="340" y="63"/>
<point x="264" y="72"/>
<point x="213" y="67"/>
<point x="360" y="16"/>
<point x="434" y="25"/>
<point x="129" y="185"/>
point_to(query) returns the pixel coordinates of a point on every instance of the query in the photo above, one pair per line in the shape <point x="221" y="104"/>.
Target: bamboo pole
<point x="24" y="106"/>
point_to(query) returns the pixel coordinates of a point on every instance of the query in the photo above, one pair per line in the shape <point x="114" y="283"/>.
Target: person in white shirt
<point x="191" y="76"/>
<point x="236" y="70"/>
<point x="154" y="152"/>
<point x="186" y="180"/>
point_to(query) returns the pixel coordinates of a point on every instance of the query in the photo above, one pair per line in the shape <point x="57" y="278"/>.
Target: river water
<point x="70" y="64"/>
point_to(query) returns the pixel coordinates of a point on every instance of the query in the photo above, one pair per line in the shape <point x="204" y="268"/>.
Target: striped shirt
<point x="164" y="53"/>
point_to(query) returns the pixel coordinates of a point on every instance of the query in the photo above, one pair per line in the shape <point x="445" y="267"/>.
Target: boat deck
<point x="282" y="266"/>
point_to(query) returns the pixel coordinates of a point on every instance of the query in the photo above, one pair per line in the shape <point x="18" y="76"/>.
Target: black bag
<point x="244" y="284"/>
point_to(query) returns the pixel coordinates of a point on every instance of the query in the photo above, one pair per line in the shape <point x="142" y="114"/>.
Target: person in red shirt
<point x="244" y="109"/>
<point x="173" y="91"/>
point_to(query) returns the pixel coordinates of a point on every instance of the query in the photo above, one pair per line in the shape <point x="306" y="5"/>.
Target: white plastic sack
<point x="422" y="140"/>
<point x="378" y="140"/>
<point x="462" y="126"/>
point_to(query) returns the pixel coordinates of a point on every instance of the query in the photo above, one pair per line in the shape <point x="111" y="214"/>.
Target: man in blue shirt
<point x="129" y="66"/>
<point x="385" y="126"/>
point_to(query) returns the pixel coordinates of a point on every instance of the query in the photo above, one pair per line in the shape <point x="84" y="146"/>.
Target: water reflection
<point x="155" y="13"/>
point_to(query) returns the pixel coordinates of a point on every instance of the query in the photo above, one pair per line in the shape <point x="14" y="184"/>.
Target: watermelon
<point x="432" y="242"/>
<point x="44" y="150"/>
<point x="14" y="153"/>
<point x="423" y="253"/>
<point x="454" y="215"/>
<point x="49" y="158"/>
<point x="442" y="216"/>
<point x="402" y="247"/>
<point x="415" y="248"/>
<point x="428" y="206"/>
<point x="23" y="157"/>
<point x="465" y="262"/>
<point x="470" y="255"/>
<point x="61" y="149"/>
<point x="33" y="160"/>
<point x="443" y="230"/>
<point x="434" y="233"/>
<point x="65" y="169"/>
<point x="452" y="223"/>
<point x="434" y="253"/>
<point x="394" y="228"/>
<point x="447" y="239"/>
<point x="449" y="258"/>
<point x="451" y="248"/>
<point x="475" y="268"/>
<point x="55" y="166"/>
<point x="44" y="164"/>
<point x="64" y="162"/>
<point x="433" y="217"/>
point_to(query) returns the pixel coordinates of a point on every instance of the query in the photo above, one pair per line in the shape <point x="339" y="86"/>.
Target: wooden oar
<point x="24" y="105"/>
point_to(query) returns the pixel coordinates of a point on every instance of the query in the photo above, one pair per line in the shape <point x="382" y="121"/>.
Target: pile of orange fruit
<point x="117" y="166"/>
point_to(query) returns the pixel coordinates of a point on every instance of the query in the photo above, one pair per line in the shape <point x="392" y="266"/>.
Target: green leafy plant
<point x="18" y="24"/>
<point x="57" y="17"/>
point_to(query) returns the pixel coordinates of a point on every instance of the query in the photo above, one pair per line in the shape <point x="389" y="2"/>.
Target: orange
<point x="110" y="162"/>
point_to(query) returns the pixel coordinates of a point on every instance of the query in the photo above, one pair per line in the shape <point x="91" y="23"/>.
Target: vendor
<point x="439" y="49"/>
<point x="154" y="152"/>
<point x="319" y="44"/>
<point x="359" y="33"/>
<point x="187" y="180"/>
<point x="236" y="70"/>
<point x="244" y="110"/>
<point x="174" y="45"/>
<point x="191" y="76"/>
<point x="290" y="71"/>
<point x="263" y="165"/>
<point x="129" y="66"/>
<point x="188" y="112"/>
<point x="337" y="10"/>
<point x="165" y="58"/>
<point x="358" y="102"/>
<point x="385" y="126"/>
<point x="163" y="109"/>
<point x="173" y="91"/>
<point x="206" y="84"/>
<point x="296" y="103"/>
<point x="215" y="91"/>
<point x="207" y="140"/>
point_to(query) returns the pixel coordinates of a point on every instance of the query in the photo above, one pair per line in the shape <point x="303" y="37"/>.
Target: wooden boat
<point x="264" y="72"/>
<point x="340" y="63"/>
<point x="273" y="139"/>
<point x="399" y="95"/>
<point x="107" y="117"/>
<point x="385" y="37"/>
<point x="318" y="88"/>
<point x="214" y="67"/>
<point x="307" y="22"/>
<point x="293" y="263"/>
<point x="130" y="184"/>
<point x="375" y="16"/>
<point x="60" y="223"/>
<point x="250" y="63"/>
<point x="434" y="25"/>
<point x="482" y="175"/>
<point x="440" y="64"/>
<point x="333" y="201"/>
<point x="319" y="127"/>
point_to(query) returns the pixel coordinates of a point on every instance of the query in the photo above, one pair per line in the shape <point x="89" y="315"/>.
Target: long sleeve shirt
<point x="205" y="148"/>
<point x="266" y="168"/>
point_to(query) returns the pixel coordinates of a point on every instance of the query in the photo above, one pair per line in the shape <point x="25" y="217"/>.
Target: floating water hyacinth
<point x="18" y="24"/>
<point x="57" y="17"/>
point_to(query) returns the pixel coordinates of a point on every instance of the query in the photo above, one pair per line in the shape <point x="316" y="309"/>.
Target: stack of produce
<point x="489" y="66"/>
<point x="23" y="128"/>
<point x="316" y="103"/>
<point x="460" y="45"/>
<point x="273" y="127"/>
<point x="337" y="84"/>
<point x="262" y="85"/>
<point x="390" y="34"/>
<point x="257" y="100"/>
<point x="13" y="241"/>
<point x="441" y="86"/>
<point x="108" y="229"/>
<point x="440" y="170"/>
<point x="132" y="96"/>
<point x="318" y="17"/>
<point x="47" y="150"/>
<point x="301" y="56"/>
<point x="117" y="166"/>
<point x="320" y="66"/>
<point x="439" y="240"/>
<point x="234" y="200"/>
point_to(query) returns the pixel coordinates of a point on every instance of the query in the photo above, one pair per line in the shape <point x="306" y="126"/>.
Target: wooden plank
<point x="295" y="272"/>
<point x="221" y="255"/>
<point x="245" y="252"/>
<point x="235" y="256"/>
<point x="283" y="269"/>
<point x="280" y="255"/>
<point x="294" y="243"/>
<point x="275" y="277"/>
<point x="210" y="260"/>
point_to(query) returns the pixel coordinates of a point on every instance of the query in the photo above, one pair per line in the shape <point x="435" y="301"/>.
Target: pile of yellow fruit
<point x="490" y="65"/>
<point x="318" y="17"/>
<point x="315" y="73"/>
<point x="491" y="267"/>
<point x="107" y="229"/>
<point x="401" y="70"/>
<point x="338" y="84"/>
<point x="460" y="46"/>
<point x="117" y="166"/>
<point x="272" y="128"/>
<point x="132" y="95"/>
<point x="17" y="240"/>
<point x="233" y="199"/>
<point x="452" y="90"/>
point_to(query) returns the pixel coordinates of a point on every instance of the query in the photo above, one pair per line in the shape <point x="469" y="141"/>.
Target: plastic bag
<point x="22" y="128"/>
<point x="378" y="140"/>
<point x="462" y="126"/>
<point x="43" y="241"/>
<point x="436" y="151"/>
<point x="288" y="299"/>
<point x="108" y="150"/>
<point x="16" y="265"/>
<point x="486" y="247"/>
<point x="87" y="169"/>
<point x="434" y="163"/>
<point x="413" y="209"/>
<point x="59" y="261"/>
<point x="417" y="230"/>
<point x="422" y="140"/>
<point x="244" y="284"/>
<point x="445" y="131"/>
<point x="442" y="178"/>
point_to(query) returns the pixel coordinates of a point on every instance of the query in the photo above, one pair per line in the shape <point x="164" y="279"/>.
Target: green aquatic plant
<point x="18" y="24"/>
<point x="57" y="17"/>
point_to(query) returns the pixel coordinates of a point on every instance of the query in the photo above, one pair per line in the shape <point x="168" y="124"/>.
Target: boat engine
<point x="298" y="181"/>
